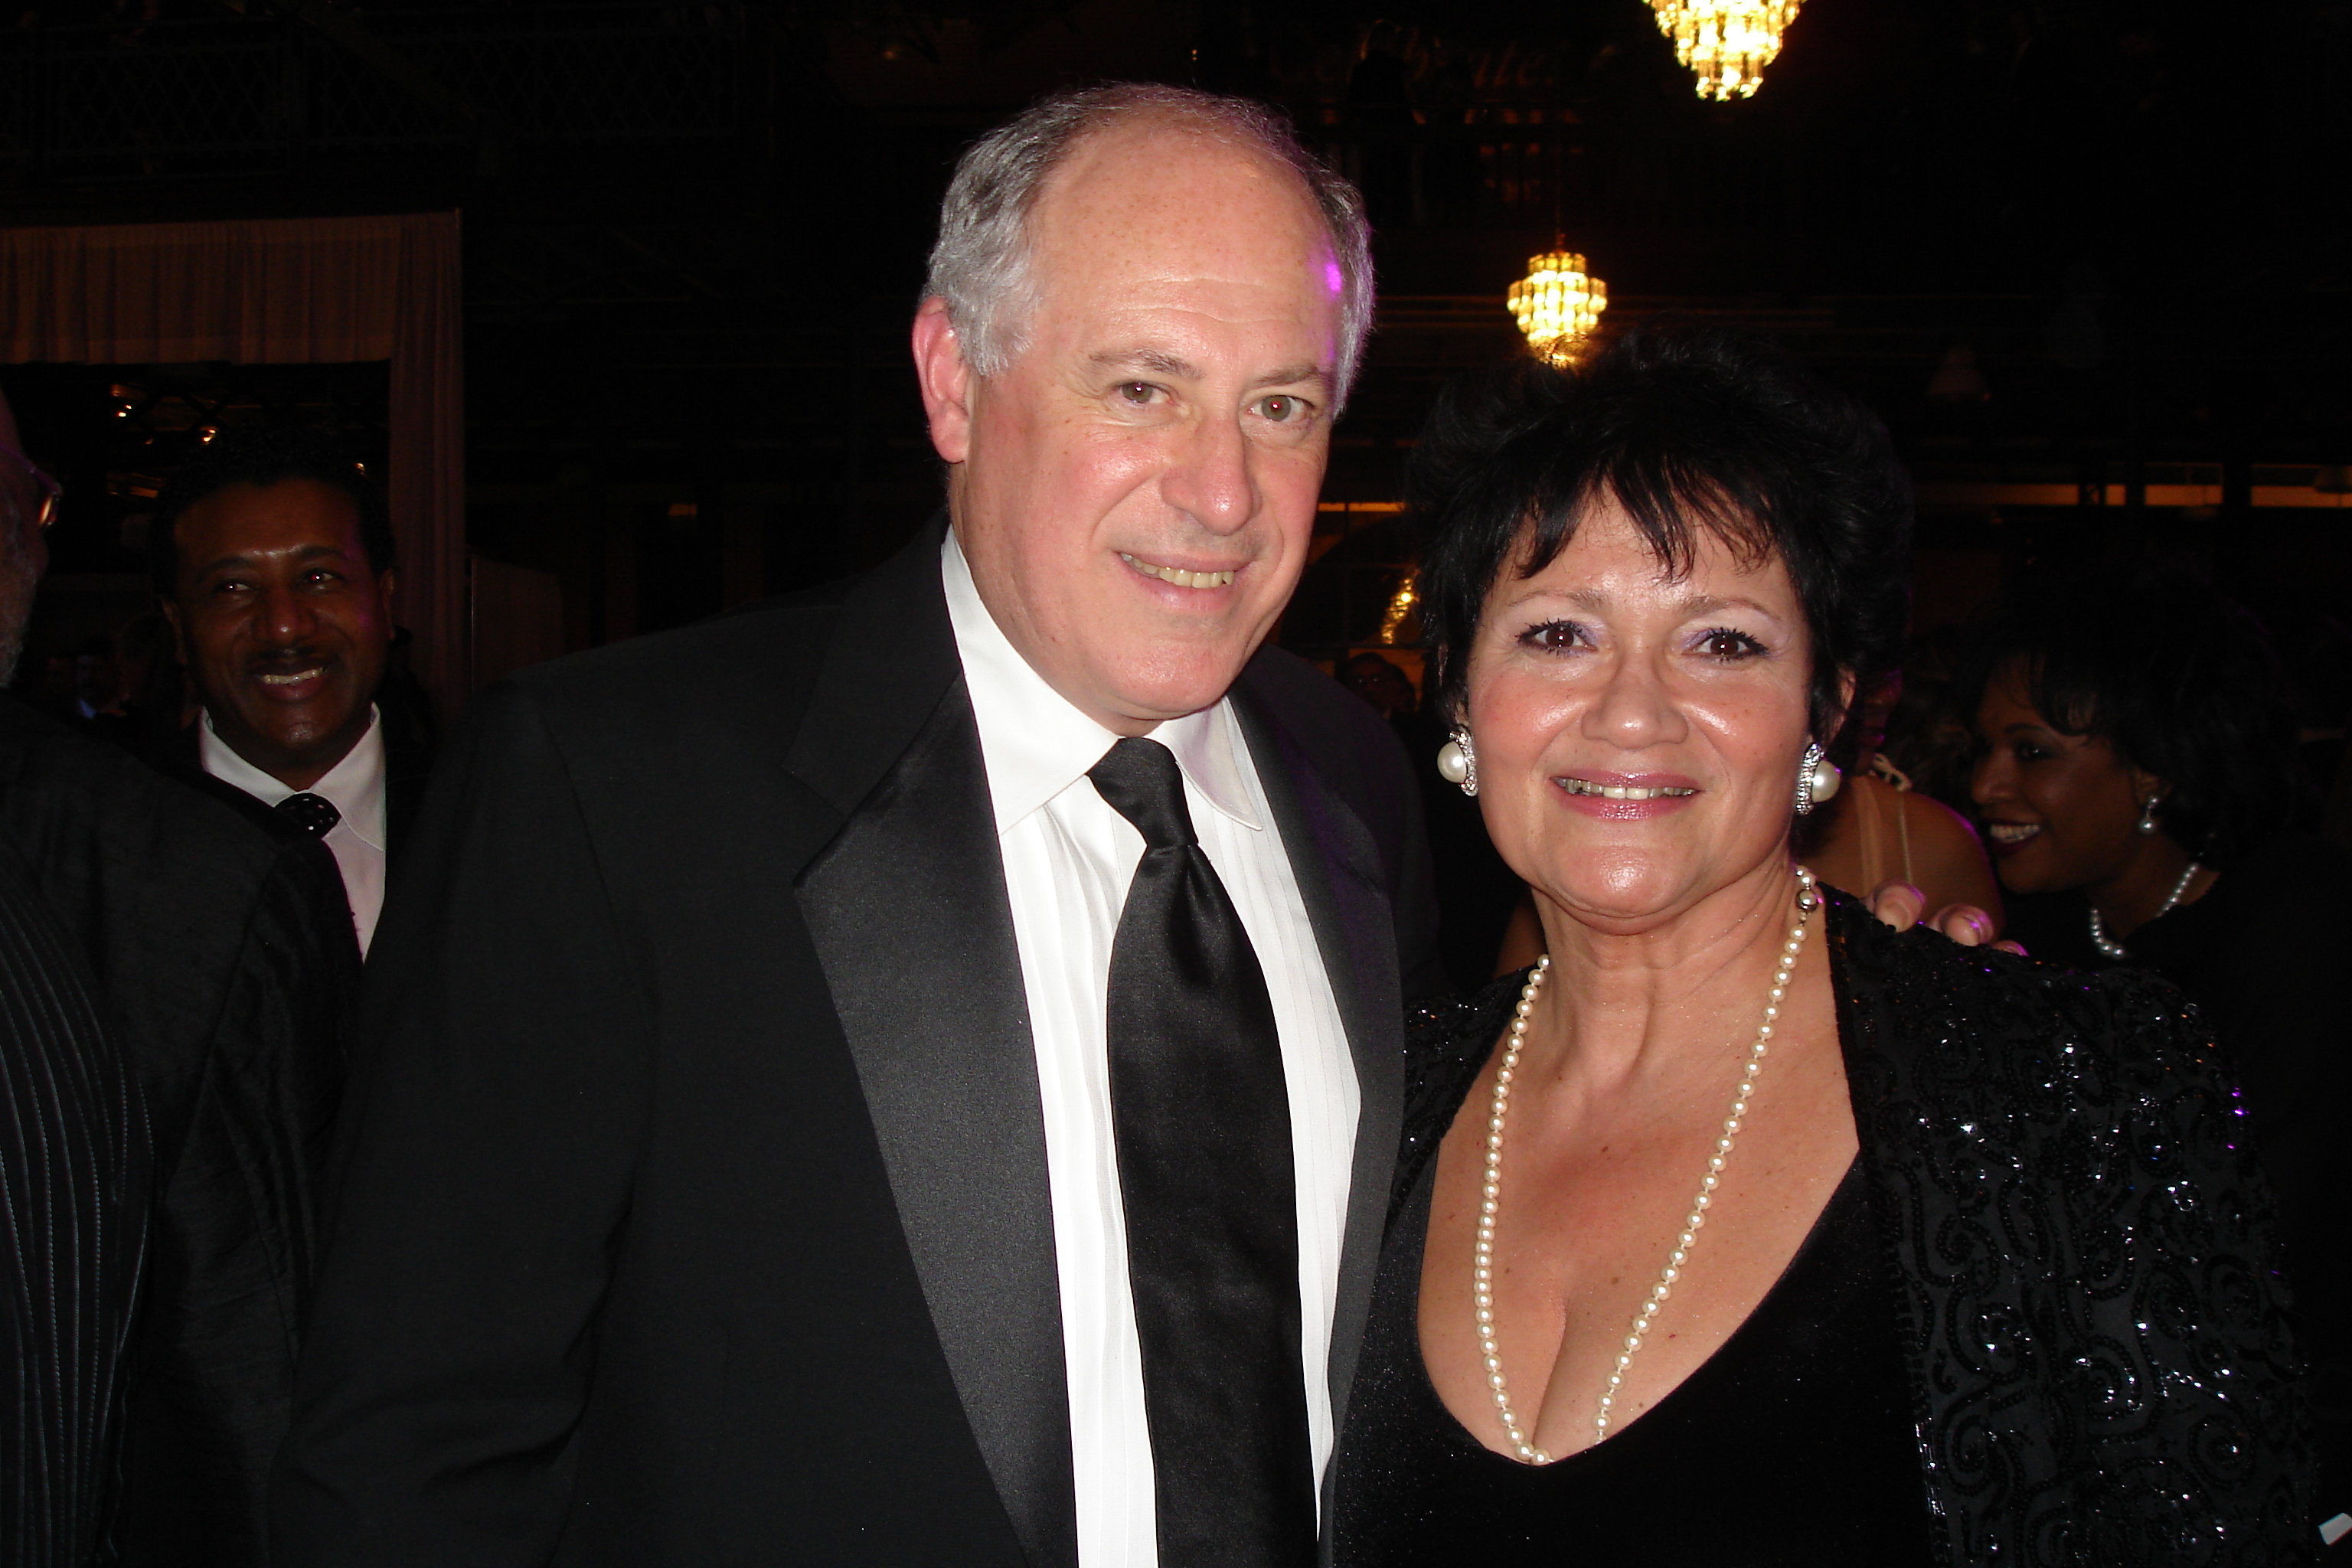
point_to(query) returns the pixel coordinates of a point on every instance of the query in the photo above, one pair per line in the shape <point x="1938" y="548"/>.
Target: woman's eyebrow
<point x="1708" y="603"/>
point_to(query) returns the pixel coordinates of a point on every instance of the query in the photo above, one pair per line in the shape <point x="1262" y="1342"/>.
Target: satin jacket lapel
<point x="910" y="918"/>
<point x="1338" y="868"/>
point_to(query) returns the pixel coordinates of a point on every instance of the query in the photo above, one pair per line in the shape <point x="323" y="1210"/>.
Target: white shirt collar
<point x="354" y="785"/>
<point x="1036" y="744"/>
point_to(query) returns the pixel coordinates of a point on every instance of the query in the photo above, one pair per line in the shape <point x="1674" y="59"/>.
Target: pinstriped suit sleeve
<point x="74" y="1157"/>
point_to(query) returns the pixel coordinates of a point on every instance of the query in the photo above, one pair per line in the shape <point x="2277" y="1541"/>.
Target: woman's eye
<point x="1729" y="645"/>
<point x="2027" y="751"/>
<point x="1553" y="637"/>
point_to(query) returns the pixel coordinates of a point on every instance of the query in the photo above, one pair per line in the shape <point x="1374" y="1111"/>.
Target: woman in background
<point x="1879" y="829"/>
<point x="2136" y="777"/>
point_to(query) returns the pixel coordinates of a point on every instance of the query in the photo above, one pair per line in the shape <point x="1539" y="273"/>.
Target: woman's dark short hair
<point x="262" y="455"/>
<point x="1683" y="427"/>
<point x="2180" y="681"/>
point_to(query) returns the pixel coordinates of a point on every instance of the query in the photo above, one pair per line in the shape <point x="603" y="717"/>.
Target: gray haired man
<point x="930" y="1094"/>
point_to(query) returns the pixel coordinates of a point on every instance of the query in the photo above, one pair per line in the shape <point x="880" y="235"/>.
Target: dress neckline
<point x="1849" y="1191"/>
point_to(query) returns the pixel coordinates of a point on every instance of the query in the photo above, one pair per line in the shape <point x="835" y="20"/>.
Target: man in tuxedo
<point x="912" y="1073"/>
<point x="173" y="982"/>
<point x="272" y="556"/>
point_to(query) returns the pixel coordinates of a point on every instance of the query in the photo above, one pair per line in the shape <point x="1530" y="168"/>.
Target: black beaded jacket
<point x="2058" y="1165"/>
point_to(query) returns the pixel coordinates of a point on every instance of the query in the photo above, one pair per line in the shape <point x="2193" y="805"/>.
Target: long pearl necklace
<point x="2114" y="949"/>
<point x="1491" y="1200"/>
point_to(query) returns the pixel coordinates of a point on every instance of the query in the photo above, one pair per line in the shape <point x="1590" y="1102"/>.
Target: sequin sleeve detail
<point x="2101" y="1360"/>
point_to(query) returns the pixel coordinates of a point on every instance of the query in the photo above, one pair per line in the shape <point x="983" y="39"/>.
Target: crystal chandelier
<point x="1558" y="304"/>
<point x="1400" y="605"/>
<point x="1727" y="42"/>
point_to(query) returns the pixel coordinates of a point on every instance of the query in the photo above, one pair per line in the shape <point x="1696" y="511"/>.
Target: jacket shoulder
<point x="1338" y="733"/>
<point x="710" y="659"/>
<point x="59" y="785"/>
<point x="1928" y="994"/>
<point x="1307" y="699"/>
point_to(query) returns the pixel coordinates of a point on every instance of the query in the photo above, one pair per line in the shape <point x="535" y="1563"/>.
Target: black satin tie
<point x="1201" y="1121"/>
<point x="314" y="812"/>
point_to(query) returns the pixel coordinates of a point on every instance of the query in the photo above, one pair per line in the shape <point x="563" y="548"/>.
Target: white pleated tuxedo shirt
<point x="1068" y="859"/>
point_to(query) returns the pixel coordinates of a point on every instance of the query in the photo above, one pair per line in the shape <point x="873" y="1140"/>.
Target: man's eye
<point x="1282" y="408"/>
<point x="1138" y="393"/>
<point x="2027" y="751"/>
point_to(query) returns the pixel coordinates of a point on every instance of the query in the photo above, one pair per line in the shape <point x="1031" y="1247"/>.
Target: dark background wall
<point x="2085" y="257"/>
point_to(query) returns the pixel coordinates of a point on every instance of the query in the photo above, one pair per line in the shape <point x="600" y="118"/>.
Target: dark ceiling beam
<point x="395" y="66"/>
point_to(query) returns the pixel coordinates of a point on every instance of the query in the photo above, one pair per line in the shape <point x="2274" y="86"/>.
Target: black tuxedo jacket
<point x="692" y="1197"/>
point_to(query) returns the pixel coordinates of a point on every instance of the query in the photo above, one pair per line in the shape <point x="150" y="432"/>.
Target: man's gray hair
<point x="981" y="264"/>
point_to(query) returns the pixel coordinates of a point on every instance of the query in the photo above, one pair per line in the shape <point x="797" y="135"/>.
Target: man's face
<point x="282" y="622"/>
<point x="1136" y="490"/>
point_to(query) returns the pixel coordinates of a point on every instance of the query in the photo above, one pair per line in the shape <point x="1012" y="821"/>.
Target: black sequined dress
<point x="2048" y="1281"/>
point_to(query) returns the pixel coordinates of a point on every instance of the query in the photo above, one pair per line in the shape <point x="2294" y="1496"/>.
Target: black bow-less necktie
<point x="312" y="813"/>
<point x="1201" y="1123"/>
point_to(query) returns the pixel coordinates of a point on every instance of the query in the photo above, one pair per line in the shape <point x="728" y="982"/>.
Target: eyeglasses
<point x="50" y="489"/>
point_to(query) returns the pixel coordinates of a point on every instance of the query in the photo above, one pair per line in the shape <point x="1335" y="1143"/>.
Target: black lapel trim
<point x="909" y="911"/>
<point x="892" y="657"/>
<point x="1872" y="1077"/>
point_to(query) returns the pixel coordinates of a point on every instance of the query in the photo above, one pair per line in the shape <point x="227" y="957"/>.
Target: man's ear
<point x="946" y="380"/>
<point x="179" y="632"/>
<point x="387" y="588"/>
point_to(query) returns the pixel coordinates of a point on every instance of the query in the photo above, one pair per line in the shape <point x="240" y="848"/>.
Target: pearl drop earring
<point x="1457" y="762"/>
<point x="1818" y="778"/>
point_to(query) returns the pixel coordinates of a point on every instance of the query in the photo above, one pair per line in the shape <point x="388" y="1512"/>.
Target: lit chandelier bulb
<point x="1558" y="304"/>
<point x="1728" y="43"/>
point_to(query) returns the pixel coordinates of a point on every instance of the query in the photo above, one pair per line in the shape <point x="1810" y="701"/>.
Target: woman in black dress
<point x="2137" y="779"/>
<point x="1764" y="1234"/>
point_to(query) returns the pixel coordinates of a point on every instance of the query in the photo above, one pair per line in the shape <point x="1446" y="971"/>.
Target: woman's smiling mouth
<point x="1623" y="791"/>
<point x="1624" y="797"/>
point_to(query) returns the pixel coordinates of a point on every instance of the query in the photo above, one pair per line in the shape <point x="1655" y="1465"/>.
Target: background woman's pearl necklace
<point x="2114" y="949"/>
<point x="1491" y="1201"/>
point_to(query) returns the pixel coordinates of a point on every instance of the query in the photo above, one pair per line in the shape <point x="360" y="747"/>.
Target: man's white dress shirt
<point x="1068" y="859"/>
<point x="354" y="786"/>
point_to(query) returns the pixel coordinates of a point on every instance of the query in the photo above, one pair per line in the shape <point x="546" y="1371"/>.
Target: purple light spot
<point x="1332" y="278"/>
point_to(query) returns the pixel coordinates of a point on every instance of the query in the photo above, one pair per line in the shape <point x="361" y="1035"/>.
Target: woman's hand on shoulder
<point x="1899" y="905"/>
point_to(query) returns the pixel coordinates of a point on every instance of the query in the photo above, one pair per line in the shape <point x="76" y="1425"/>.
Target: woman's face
<point x="2060" y="811"/>
<point x="1686" y="697"/>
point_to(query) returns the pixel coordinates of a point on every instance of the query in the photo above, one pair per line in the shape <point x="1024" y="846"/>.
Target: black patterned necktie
<point x="1201" y="1123"/>
<point x="314" y="813"/>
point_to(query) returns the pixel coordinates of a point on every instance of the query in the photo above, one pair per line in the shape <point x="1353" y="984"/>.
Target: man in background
<point x="172" y="984"/>
<point x="272" y="556"/>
